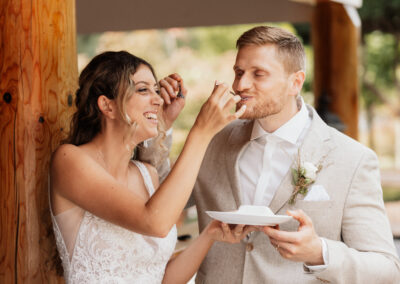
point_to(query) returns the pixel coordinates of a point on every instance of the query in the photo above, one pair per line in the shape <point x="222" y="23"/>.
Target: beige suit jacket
<point x="353" y="222"/>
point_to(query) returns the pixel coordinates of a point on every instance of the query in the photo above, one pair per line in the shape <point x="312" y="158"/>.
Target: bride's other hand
<point x="216" y="112"/>
<point x="232" y="234"/>
<point x="170" y="87"/>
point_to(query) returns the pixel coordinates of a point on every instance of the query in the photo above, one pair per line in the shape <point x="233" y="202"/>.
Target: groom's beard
<point x="258" y="110"/>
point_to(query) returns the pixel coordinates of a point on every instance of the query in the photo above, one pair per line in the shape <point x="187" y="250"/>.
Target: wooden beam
<point x="335" y="38"/>
<point x="38" y="71"/>
<point x="122" y="15"/>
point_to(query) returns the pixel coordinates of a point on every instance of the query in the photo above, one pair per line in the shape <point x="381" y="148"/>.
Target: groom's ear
<point x="296" y="82"/>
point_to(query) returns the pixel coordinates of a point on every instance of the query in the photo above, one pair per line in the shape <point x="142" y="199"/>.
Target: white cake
<point x="255" y="210"/>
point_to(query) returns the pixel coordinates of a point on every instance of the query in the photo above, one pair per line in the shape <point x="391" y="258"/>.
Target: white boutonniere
<point x="303" y="175"/>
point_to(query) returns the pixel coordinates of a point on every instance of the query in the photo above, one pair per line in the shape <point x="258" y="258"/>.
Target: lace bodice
<point x="107" y="253"/>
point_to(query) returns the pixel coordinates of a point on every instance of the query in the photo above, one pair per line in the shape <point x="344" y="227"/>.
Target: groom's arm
<point x="160" y="160"/>
<point x="150" y="154"/>
<point x="367" y="253"/>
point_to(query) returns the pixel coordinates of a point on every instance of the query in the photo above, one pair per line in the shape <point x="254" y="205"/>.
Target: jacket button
<point x="249" y="247"/>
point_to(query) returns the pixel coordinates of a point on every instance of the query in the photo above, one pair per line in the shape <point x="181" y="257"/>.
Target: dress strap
<point x="146" y="176"/>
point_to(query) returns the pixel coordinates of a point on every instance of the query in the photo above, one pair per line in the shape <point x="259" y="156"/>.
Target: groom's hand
<point x="303" y="245"/>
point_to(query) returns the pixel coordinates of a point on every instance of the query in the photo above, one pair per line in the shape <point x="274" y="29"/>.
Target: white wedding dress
<point x="93" y="250"/>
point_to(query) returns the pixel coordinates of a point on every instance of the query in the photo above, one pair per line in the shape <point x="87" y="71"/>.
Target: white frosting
<point x="255" y="210"/>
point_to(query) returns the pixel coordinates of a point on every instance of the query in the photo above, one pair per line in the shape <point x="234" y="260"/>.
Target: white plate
<point x="246" y="219"/>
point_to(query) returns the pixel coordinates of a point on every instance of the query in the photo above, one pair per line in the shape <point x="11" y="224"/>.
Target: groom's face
<point x="262" y="81"/>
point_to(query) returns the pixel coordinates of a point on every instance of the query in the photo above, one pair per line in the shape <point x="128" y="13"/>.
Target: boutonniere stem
<point x="303" y="175"/>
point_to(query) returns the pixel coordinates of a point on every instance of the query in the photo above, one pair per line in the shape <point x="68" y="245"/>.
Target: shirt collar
<point x="290" y="131"/>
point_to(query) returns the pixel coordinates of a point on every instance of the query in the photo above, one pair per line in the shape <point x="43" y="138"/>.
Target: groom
<point x="339" y="232"/>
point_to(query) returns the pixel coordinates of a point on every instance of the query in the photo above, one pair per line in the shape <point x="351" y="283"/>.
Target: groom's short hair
<point x="288" y="46"/>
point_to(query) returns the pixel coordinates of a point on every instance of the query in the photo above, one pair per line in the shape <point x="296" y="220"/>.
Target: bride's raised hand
<point x="216" y="113"/>
<point x="173" y="92"/>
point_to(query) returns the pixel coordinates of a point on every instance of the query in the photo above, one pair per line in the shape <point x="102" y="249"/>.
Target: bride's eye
<point x="143" y="90"/>
<point x="158" y="92"/>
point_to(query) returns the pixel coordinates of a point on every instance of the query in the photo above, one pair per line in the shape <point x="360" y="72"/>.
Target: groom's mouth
<point x="245" y="98"/>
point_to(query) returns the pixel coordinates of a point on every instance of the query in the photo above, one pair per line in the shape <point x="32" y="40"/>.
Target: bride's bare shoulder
<point x="66" y="151"/>
<point x="67" y="155"/>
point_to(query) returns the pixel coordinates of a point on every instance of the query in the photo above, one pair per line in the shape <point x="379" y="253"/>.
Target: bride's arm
<point x="77" y="178"/>
<point x="182" y="268"/>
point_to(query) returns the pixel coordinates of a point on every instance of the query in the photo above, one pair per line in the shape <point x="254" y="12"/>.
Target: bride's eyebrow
<point x="143" y="82"/>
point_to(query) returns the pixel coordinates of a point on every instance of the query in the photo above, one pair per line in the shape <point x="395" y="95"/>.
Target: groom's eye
<point x="260" y="73"/>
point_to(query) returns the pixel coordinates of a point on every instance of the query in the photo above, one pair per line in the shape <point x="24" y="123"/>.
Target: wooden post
<point x="38" y="76"/>
<point x="335" y="38"/>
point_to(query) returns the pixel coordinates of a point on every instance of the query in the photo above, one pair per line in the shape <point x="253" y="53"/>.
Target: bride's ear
<point x="107" y="106"/>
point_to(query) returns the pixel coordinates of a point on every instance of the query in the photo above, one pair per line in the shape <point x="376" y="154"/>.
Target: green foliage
<point x="188" y="115"/>
<point x="211" y="40"/>
<point x="303" y="191"/>
<point x="217" y="39"/>
<point x="88" y="43"/>
<point x="303" y="30"/>
<point x="380" y="26"/>
<point x="383" y="15"/>
<point x="380" y="52"/>
<point x="391" y="193"/>
<point x="295" y="176"/>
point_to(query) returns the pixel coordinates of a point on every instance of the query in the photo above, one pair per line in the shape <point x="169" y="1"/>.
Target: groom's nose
<point x="242" y="84"/>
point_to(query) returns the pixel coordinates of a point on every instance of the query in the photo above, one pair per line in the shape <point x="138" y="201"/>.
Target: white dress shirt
<point x="267" y="159"/>
<point x="285" y="142"/>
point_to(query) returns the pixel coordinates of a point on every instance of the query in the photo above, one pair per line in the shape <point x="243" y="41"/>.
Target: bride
<point x="112" y="220"/>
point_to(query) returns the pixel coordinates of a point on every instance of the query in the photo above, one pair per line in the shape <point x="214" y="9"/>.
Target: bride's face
<point x="144" y="104"/>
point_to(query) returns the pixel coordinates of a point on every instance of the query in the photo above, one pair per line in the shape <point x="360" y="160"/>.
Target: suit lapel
<point x="239" y="137"/>
<point x="315" y="147"/>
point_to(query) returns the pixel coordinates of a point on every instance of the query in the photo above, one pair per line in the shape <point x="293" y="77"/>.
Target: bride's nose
<point x="156" y="99"/>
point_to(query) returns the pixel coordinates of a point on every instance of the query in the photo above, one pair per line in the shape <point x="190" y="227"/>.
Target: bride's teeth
<point x="150" y="115"/>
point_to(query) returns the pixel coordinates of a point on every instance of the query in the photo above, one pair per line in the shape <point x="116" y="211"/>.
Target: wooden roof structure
<point x="152" y="14"/>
